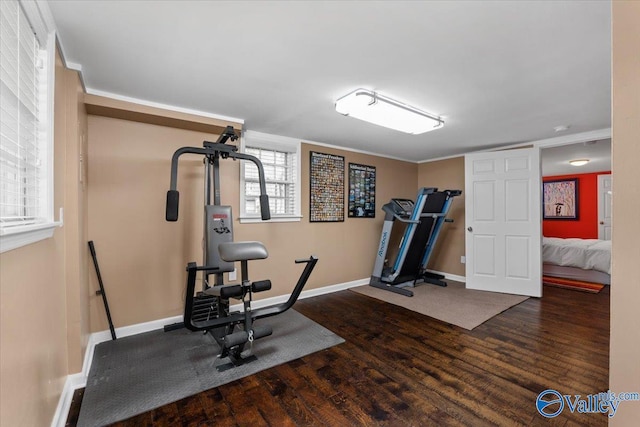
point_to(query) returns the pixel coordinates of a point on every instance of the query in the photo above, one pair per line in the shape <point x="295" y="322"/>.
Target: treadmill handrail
<point x="432" y="214"/>
<point x="408" y="221"/>
<point x="422" y="215"/>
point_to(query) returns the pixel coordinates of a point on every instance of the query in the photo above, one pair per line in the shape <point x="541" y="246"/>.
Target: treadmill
<point x="423" y="221"/>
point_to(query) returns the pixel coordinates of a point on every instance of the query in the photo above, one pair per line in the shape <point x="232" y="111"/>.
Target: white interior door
<point x="604" y="207"/>
<point x="503" y="221"/>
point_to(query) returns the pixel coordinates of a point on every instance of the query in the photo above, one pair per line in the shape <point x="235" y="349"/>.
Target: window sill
<point x="257" y="219"/>
<point x="14" y="239"/>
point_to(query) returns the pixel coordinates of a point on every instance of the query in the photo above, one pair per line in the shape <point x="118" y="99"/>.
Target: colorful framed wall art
<point x="326" y="187"/>
<point x="362" y="191"/>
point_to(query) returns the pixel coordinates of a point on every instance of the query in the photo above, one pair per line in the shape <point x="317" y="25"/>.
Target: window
<point x="281" y="161"/>
<point x="26" y="140"/>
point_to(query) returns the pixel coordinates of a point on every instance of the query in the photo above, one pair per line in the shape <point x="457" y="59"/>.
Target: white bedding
<point x="588" y="254"/>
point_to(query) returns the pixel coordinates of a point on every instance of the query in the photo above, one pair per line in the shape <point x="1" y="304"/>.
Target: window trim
<point x="273" y="142"/>
<point x="40" y="18"/>
<point x="25" y="235"/>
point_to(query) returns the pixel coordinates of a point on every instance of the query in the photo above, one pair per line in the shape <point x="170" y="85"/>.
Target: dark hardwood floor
<point x="399" y="368"/>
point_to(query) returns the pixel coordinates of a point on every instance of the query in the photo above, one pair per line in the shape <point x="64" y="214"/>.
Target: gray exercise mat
<point x="135" y="374"/>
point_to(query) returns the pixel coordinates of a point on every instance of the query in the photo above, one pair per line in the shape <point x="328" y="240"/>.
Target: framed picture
<point x="326" y="188"/>
<point x="362" y="191"/>
<point x="560" y="199"/>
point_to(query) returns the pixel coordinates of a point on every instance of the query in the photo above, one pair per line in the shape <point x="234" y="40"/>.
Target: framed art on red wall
<point x="560" y="199"/>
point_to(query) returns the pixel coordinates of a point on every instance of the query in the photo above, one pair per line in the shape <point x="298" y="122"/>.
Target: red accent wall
<point x="586" y="227"/>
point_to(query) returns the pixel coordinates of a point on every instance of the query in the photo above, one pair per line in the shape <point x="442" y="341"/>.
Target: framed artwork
<point x="362" y="191"/>
<point x="560" y="199"/>
<point x="326" y="189"/>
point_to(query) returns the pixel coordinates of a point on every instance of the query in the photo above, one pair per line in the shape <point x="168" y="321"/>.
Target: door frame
<point x="601" y="206"/>
<point x="555" y="142"/>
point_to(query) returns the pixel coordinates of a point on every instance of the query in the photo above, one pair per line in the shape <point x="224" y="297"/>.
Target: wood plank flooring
<point x="399" y="368"/>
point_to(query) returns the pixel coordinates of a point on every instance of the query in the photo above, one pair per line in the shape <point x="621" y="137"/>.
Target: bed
<point x="587" y="260"/>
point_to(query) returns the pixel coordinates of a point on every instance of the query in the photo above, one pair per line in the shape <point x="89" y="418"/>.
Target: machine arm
<point x="213" y="149"/>
<point x="264" y="198"/>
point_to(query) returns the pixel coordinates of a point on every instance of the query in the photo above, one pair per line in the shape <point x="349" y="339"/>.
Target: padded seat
<point x="242" y="251"/>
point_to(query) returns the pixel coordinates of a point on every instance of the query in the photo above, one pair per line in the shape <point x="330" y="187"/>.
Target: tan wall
<point x="33" y="341"/>
<point x="142" y="257"/>
<point x="347" y="250"/>
<point x="42" y="326"/>
<point x="447" y="175"/>
<point x="75" y="212"/>
<point x="625" y="287"/>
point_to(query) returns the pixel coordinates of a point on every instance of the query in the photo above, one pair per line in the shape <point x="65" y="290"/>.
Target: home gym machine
<point x="209" y="310"/>
<point x="424" y="220"/>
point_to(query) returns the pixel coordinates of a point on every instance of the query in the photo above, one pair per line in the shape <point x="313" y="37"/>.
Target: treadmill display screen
<point x="406" y="205"/>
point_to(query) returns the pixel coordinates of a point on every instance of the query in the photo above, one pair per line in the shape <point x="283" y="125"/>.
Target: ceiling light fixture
<point x="372" y="107"/>
<point x="579" y="162"/>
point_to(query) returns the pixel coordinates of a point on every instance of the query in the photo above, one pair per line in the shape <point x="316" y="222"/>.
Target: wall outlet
<point x="463" y="259"/>
<point x="233" y="275"/>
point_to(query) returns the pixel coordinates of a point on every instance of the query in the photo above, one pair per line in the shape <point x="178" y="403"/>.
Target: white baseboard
<point x="72" y="383"/>
<point x="79" y="380"/>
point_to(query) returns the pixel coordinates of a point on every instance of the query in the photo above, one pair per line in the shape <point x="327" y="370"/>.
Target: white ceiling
<point x="555" y="160"/>
<point x="498" y="72"/>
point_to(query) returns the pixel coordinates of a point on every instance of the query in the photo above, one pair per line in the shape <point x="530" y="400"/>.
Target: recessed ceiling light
<point x="561" y="128"/>
<point x="579" y="162"/>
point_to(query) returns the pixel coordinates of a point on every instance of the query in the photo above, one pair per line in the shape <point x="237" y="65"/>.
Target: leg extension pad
<point x="261" y="285"/>
<point x="225" y="291"/>
<point x="242" y="337"/>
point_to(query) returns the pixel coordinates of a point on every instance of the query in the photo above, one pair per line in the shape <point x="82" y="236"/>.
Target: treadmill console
<point x="402" y="207"/>
<point x="398" y="208"/>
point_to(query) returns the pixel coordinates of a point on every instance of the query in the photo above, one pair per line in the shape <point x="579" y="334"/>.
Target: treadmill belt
<point x="434" y="204"/>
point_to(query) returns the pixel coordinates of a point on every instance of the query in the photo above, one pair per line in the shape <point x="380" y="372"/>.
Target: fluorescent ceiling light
<point x="579" y="162"/>
<point x="372" y="107"/>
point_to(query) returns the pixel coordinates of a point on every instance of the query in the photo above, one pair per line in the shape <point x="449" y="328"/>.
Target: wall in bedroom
<point x="586" y="227"/>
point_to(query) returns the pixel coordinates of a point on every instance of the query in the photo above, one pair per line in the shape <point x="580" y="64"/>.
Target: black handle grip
<point x="173" y="198"/>
<point x="264" y="207"/>
<point x="261" y="286"/>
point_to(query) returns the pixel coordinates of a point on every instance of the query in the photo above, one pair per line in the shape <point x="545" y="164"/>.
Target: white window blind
<point x="279" y="172"/>
<point x="25" y="175"/>
<point x="279" y="157"/>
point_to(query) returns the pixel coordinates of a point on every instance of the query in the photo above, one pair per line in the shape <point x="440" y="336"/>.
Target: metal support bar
<point x="102" y="291"/>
